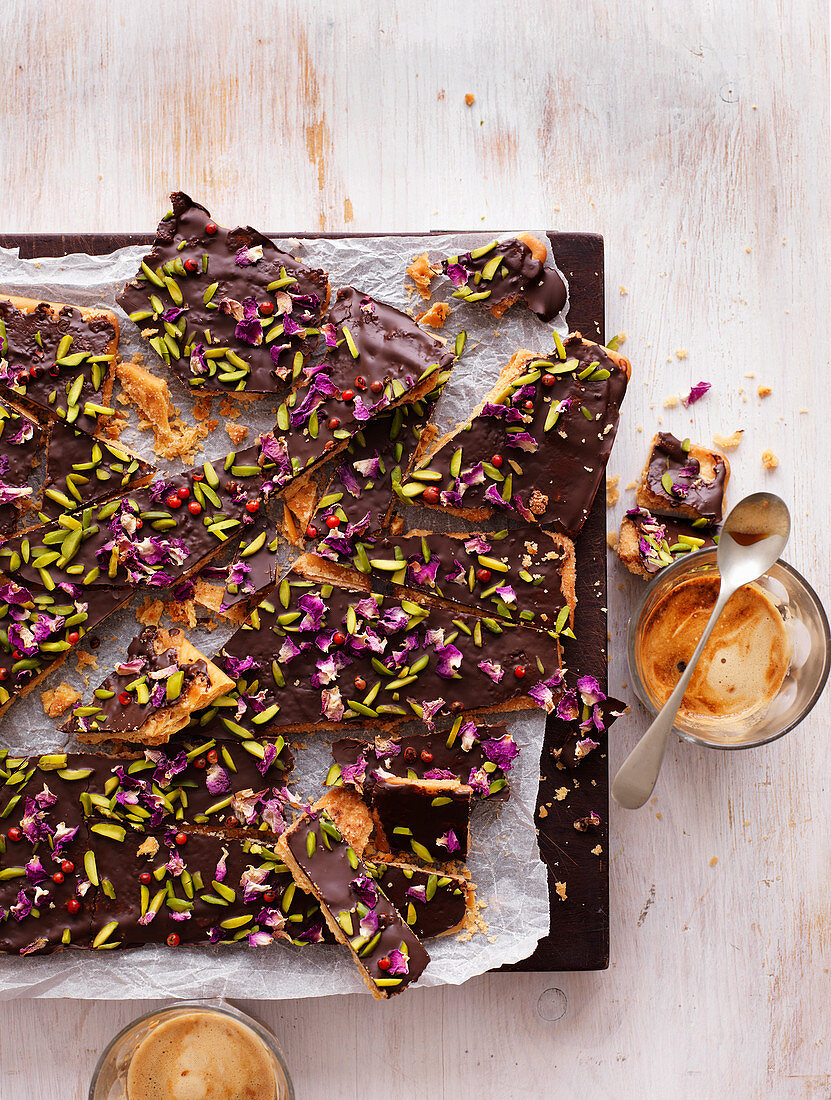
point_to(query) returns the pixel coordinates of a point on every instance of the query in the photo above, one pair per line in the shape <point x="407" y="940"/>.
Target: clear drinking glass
<point x="807" y="627"/>
<point x="109" y="1081"/>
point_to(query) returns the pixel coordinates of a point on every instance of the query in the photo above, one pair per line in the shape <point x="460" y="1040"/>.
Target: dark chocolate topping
<point x="209" y="320"/>
<point x="428" y="819"/>
<point x="688" y="489"/>
<point x="554" y="471"/>
<point x="62" y="386"/>
<point x="342" y="885"/>
<point x="508" y="272"/>
<point x="431" y="904"/>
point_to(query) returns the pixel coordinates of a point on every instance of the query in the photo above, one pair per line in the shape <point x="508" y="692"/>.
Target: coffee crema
<point x="743" y="664"/>
<point x="201" y="1055"/>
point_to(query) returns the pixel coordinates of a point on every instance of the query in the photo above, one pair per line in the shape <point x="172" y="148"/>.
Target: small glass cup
<point x="807" y="626"/>
<point x="109" y="1081"/>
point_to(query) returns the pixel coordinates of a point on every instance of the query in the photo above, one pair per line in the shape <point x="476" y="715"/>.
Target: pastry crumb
<point x="681" y="353"/>
<point x="59" y="699"/>
<point x="714" y="861"/>
<point x="560" y="888"/>
<point x="435" y="316"/>
<point x="543" y="812"/>
<point x="561" y="793"/>
<point x="769" y="460"/>
<point x="764" y="391"/>
<point x="728" y="442"/>
<point x="597" y="850"/>
<point x="611" y="539"/>
<point x="236" y="433"/>
<point x="470" y="99"/>
<point x="672" y="401"/>
<point x="86" y="660"/>
<point x="422" y="273"/>
<point x="150" y="613"/>
<point x="612" y="491"/>
<point x="623" y="290"/>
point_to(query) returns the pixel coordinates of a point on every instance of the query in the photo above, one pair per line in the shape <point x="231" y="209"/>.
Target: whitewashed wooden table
<point x="695" y="137"/>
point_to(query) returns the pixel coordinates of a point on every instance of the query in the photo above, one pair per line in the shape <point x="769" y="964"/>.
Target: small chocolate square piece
<point x="429" y="818"/>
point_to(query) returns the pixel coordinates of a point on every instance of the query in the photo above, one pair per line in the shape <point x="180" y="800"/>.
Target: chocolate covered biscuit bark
<point x="646" y="543"/>
<point x="504" y="272"/>
<point x="684" y="479"/>
<point x="388" y="954"/>
<point x="43" y="841"/>
<point x="226" y="309"/>
<point x="152" y="694"/>
<point x="157" y="535"/>
<point x="41" y="622"/>
<point x="536" y="448"/>
<point x="58" y="358"/>
<point x="522" y="575"/>
<point x="21" y="443"/>
<point x="187" y="888"/>
<point x="329" y="655"/>
<point x="474" y="754"/>
<point x="427" y="818"/>
<point x="432" y="904"/>
<point x="83" y="471"/>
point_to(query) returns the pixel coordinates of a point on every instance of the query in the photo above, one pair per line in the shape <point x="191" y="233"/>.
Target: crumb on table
<point x="728" y="442"/>
<point x="671" y="402"/>
<point x="611" y="539"/>
<point x="681" y="353"/>
<point x="769" y="460"/>
<point x="57" y="700"/>
<point x="764" y="391"/>
<point x="470" y="99"/>
<point x="612" y="491"/>
<point x="560" y="888"/>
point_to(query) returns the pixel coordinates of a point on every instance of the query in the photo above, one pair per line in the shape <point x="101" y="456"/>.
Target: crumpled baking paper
<point x="504" y="859"/>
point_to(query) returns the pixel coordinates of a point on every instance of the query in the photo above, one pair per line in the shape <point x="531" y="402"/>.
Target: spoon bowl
<point x="752" y="538"/>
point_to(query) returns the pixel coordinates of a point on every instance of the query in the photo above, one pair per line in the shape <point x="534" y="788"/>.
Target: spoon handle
<point x="638" y="773"/>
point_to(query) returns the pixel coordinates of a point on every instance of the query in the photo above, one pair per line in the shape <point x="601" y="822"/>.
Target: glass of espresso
<point x="192" y="1050"/>
<point x="763" y="668"/>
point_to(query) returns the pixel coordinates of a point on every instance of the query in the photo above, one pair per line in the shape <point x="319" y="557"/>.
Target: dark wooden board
<point x="579" y="936"/>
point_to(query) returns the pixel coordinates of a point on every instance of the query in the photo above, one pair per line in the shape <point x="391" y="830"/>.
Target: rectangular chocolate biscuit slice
<point x="226" y="309"/>
<point x="475" y="754"/>
<point x="333" y="655"/>
<point x="428" y="818"/>
<point x="536" y="448"/>
<point x="152" y="694"/>
<point x="43" y="622"/>
<point x="82" y="471"/>
<point x="523" y="575"/>
<point x="191" y="888"/>
<point x="684" y="479"/>
<point x="58" y="359"/>
<point x="432" y="904"/>
<point x="387" y="953"/>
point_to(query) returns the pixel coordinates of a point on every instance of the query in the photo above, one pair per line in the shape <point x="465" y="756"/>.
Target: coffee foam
<point x="201" y="1055"/>
<point x="743" y="664"/>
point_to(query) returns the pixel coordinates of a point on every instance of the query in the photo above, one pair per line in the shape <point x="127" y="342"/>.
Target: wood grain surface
<point x="695" y="138"/>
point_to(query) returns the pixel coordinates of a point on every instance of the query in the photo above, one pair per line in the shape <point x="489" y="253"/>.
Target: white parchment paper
<point x="504" y="859"/>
